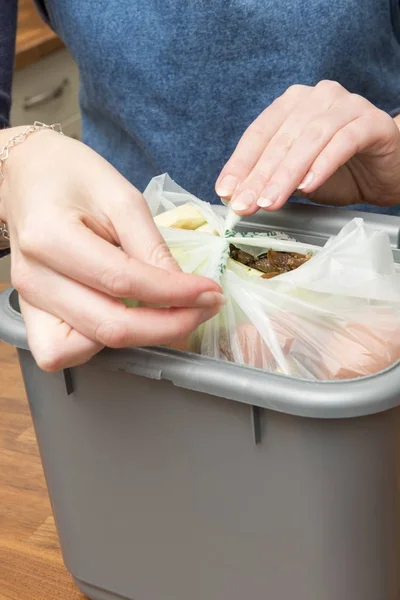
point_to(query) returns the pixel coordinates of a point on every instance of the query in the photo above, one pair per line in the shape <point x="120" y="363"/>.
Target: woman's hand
<point x="321" y="142"/>
<point x="81" y="238"/>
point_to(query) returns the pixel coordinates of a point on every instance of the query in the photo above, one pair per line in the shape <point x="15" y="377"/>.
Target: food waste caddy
<point x="177" y="477"/>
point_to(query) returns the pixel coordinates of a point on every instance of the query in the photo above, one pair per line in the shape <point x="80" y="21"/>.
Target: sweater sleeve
<point x="8" y="25"/>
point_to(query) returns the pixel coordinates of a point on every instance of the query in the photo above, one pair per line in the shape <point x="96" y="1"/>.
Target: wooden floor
<point x="31" y="566"/>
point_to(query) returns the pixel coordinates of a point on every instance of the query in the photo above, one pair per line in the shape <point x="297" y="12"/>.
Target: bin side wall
<point x="160" y="493"/>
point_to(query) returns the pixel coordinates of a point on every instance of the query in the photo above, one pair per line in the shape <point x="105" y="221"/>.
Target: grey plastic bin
<point x="174" y="477"/>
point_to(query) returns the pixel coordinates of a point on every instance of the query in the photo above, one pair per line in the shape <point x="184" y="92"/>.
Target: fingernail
<point x="244" y="200"/>
<point x="306" y="181"/>
<point x="269" y="197"/>
<point x="227" y="186"/>
<point x="207" y="299"/>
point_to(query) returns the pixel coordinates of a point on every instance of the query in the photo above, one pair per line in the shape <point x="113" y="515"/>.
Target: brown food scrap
<point x="271" y="263"/>
<point x="270" y="275"/>
<point x="241" y="256"/>
<point x="287" y="260"/>
<point x="263" y="263"/>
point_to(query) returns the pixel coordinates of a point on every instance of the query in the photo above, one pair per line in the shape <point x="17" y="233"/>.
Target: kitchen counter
<point x="34" y="38"/>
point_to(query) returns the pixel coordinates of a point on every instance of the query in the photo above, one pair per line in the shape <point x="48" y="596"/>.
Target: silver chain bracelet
<point x="4" y="153"/>
<point x="4" y="232"/>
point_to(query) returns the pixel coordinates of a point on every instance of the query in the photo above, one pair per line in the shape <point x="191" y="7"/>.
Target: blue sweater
<point x="170" y="85"/>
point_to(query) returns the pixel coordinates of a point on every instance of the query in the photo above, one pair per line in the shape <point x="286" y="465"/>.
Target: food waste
<point x="363" y="342"/>
<point x="271" y="263"/>
<point x="266" y="265"/>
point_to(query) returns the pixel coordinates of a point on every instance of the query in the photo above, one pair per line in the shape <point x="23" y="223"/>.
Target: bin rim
<point x="298" y="397"/>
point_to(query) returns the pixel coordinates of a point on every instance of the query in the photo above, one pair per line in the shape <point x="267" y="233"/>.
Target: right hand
<point x="81" y="238"/>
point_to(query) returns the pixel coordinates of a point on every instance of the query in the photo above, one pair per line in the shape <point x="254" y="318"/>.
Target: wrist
<point x="9" y="132"/>
<point x="16" y="151"/>
<point x="5" y="136"/>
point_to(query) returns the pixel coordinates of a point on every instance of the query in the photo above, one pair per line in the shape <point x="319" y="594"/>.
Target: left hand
<point x="321" y="142"/>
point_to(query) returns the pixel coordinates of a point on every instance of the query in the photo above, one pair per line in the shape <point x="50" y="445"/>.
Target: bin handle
<point x="12" y="327"/>
<point x="323" y="400"/>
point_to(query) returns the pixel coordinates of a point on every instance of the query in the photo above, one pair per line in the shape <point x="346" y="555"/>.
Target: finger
<point x="128" y="219"/>
<point x="53" y="343"/>
<point x="294" y="171"/>
<point x="254" y="140"/>
<point x="360" y="134"/>
<point x="98" y="264"/>
<point x="103" y="319"/>
<point x="138" y="234"/>
<point x="305" y="123"/>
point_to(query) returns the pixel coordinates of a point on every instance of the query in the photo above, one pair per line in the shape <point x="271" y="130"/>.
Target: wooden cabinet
<point x="5" y="265"/>
<point x="47" y="91"/>
<point x="46" y="77"/>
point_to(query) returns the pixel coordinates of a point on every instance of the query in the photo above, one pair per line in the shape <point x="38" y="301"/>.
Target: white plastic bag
<point x="335" y="317"/>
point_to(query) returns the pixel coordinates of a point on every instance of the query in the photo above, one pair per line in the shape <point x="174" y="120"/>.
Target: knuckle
<point x="290" y="97"/>
<point x="314" y="133"/>
<point x="238" y="164"/>
<point x="359" y="101"/>
<point x="386" y="123"/>
<point x="288" y="172"/>
<point x="295" y="90"/>
<point x="126" y="197"/>
<point x="39" y="239"/>
<point x="259" y="178"/>
<point x="322" y="163"/>
<point x="49" y="359"/>
<point x="117" y="283"/>
<point x="21" y="281"/>
<point x="28" y="241"/>
<point x="159" y="254"/>
<point x="113" y="334"/>
<point x="329" y="86"/>
<point x="351" y="139"/>
<point x="283" y="141"/>
<point x="255" y="131"/>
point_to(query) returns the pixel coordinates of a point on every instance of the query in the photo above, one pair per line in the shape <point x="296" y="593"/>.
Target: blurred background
<point x="45" y="86"/>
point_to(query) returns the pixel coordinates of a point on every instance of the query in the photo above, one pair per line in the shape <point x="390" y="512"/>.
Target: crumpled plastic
<point x="335" y="317"/>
